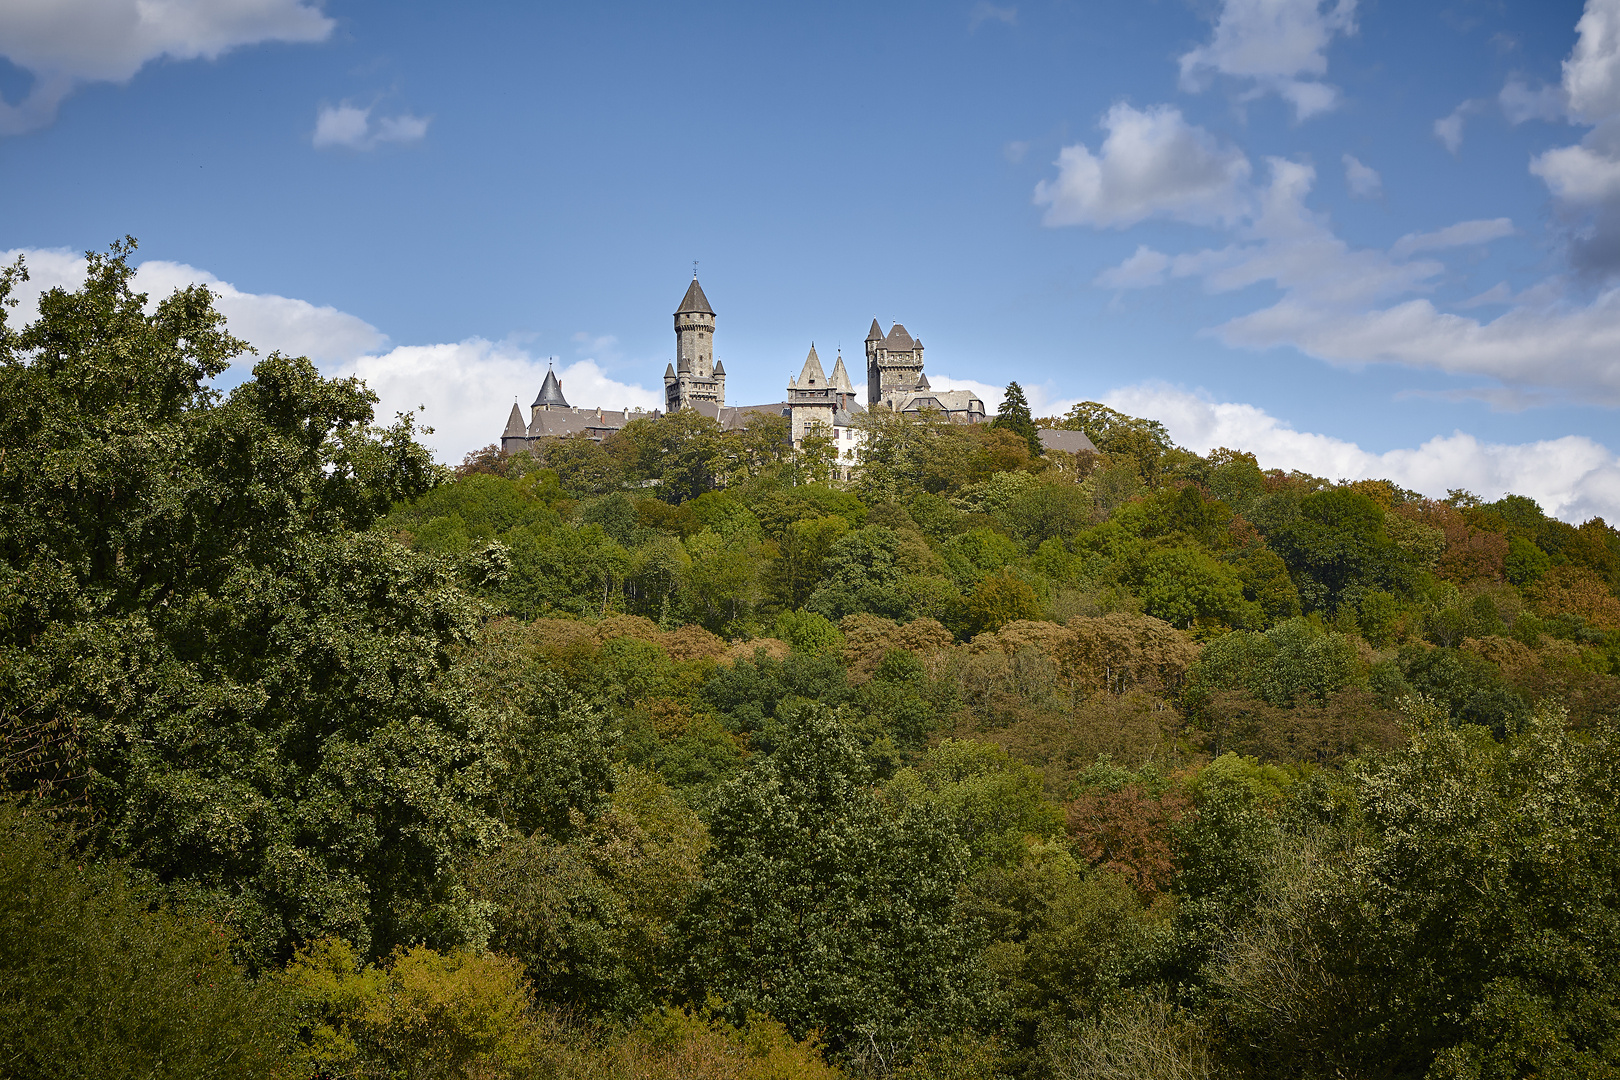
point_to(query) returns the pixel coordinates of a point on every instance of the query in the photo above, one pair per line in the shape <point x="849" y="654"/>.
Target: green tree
<point x="98" y="980"/>
<point x="1389" y="940"/>
<point x="1337" y="549"/>
<point x="819" y="908"/>
<point x="253" y="694"/>
<point x="1013" y="415"/>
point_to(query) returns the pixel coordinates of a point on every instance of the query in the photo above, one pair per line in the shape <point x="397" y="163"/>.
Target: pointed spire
<point x="812" y="377"/>
<point x="551" y="394"/>
<point x="669" y="371"/>
<point x="876" y="333"/>
<point x="694" y="300"/>
<point x="840" y="377"/>
<point x="719" y="369"/>
<point x="515" y="428"/>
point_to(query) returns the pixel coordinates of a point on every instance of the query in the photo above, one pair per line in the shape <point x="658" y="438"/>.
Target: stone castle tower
<point x="894" y="364"/>
<point x="695" y="376"/>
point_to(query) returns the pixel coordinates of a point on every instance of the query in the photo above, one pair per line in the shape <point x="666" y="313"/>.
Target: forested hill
<point x="670" y="756"/>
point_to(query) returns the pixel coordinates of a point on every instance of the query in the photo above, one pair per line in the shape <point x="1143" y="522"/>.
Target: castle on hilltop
<point x="816" y="401"/>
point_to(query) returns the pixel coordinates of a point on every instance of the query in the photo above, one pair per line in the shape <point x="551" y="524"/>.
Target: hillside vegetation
<point x="671" y="757"/>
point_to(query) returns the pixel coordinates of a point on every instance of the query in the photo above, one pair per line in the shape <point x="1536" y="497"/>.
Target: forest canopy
<point x="672" y="754"/>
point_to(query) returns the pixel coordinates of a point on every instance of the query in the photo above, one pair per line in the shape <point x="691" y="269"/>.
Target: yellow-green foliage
<point x="421" y="1014"/>
<point x="675" y="1044"/>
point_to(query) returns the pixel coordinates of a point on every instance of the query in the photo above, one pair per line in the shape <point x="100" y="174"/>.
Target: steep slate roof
<point x="695" y="300"/>
<point x="515" y="427"/>
<point x="812" y="375"/>
<point x="840" y="377"/>
<point x="719" y="368"/>
<point x="551" y="391"/>
<point x="1071" y="441"/>
<point x="876" y="333"/>
<point x="898" y="340"/>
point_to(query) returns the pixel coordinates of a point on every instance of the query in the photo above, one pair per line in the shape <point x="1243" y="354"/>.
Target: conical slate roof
<point x="694" y="300"/>
<point x="669" y="371"/>
<point x="876" y="333"/>
<point x="719" y="368"/>
<point x="812" y="377"/>
<point x="514" y="424"/>
<point x="840" y="377"/>
<point x="898" y="340"/>
<point x="551" y="392"/>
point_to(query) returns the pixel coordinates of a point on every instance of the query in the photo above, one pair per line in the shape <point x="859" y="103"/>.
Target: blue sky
<point x="1357" y="238"/>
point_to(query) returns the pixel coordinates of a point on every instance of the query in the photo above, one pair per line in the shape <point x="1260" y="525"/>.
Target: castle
<point x="815" y="402"/>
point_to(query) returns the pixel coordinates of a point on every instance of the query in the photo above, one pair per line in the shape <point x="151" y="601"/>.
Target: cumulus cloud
<point x="467" y="387"/>
<point x="352" y="127"/>
<point x="1573" y="477"/>
<point x="1584" y="179"/>
<point x="1275" y="46"/>
<point x="1152" y="164"/>
<point x="66" y="43"/>
<point x="465" y="390"/>
<point x="1362" y="180"/>
<point x="265" y="320"/>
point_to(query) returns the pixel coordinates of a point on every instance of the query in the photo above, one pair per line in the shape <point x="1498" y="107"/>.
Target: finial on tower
<point x="694" y="269"/>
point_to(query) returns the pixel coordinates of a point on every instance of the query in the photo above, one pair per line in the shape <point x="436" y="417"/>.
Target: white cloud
<point x="1337" y="304"/>
<point x="1584" y="179"/>
<point x="1449" y="129"/>
<point x="984" y="11"/>
<point x="264" y="320"/>
<point x="352" y="127"/>
<point x="1362" y="180"/>
<point x="467" y="387"/>
<point x="1592" y="71"/>
<point x="1145" y="267"/>
<point x="466" y="390"/>
<point x="1277" y="46"/>
<point x="1520" y="103"/>
<point x="64" y="43"/>
<point x="1462" y="234"/>
<point x="1573" y="477"/>
<point x="1152" y="164"/>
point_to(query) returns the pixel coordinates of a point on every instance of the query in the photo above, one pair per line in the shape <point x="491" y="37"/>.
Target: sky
<point x="1355" y="237"/>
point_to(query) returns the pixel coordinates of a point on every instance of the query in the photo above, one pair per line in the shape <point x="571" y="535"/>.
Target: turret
<point x="696" y="377"/>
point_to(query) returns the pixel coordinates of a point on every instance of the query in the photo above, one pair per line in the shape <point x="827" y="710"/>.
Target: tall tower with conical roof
<point x="698" y="378"/>
<point x="894" y="364"/>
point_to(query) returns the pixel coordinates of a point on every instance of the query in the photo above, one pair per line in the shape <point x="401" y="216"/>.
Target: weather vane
<point x="694" y="269"/>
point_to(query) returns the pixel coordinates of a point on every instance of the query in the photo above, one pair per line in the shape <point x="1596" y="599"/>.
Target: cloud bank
<point x="1573" y="478"/>
<point x="66" y="43"/>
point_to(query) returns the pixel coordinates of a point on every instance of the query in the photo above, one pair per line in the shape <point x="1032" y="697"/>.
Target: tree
<point x="1338" y="549"/>
<point x="822" y="910"/>
<point x="1144" y="443"/>
<point x="1013" y="415"/>
<point x="1400" y="944"/>
<point x="98" y="981"/>
<point x="208" y="648"/>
